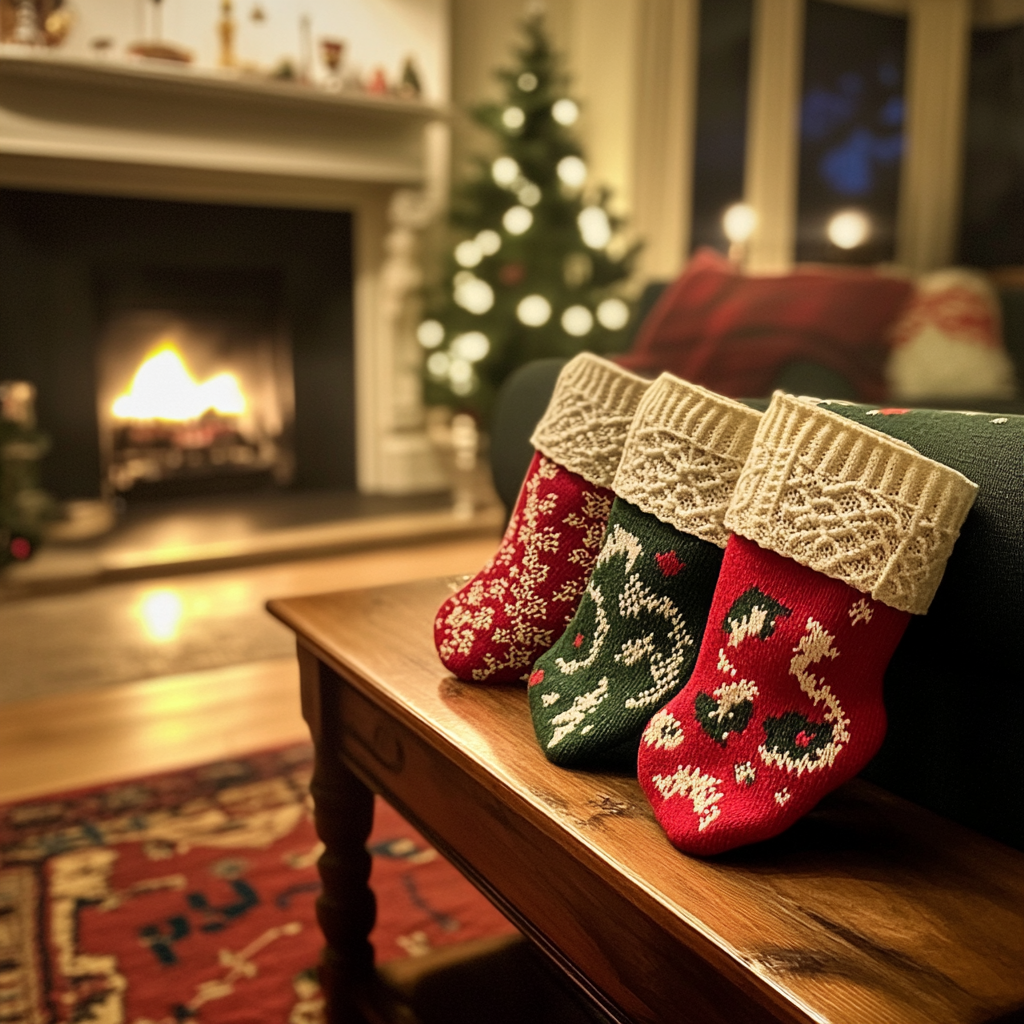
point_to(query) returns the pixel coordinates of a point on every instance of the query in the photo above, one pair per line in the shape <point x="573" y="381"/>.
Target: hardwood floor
<point x="134" y="678"/>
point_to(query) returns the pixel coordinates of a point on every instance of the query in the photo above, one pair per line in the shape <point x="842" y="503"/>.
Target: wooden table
<point x="869" y="911"/>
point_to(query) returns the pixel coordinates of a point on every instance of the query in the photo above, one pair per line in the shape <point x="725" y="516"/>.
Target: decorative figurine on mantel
<point x="378" y="83"/>
<point x="410" y="88"/>
<point x="332" y="51"/>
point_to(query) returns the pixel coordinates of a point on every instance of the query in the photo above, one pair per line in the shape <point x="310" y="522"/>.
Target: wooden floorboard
<point x="114" y="732"/>
<point x="106" y="695"/>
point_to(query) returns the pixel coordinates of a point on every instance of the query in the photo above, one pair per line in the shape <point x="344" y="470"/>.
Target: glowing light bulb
<point x="565" y="111"/>
<point x="430" y="333"/>
<point x="473" y="294"/>
<point x="505" y="171"/>
<point x="572" y="171"/>
<point x="595" y="228"/>
<point x="459" y="371"/>
<point x="613" y="314"/>
<point x="517" y="220"/>
<point x="527" y="81"/>
<point x="471" y="346"/>
<point x="534" y="311"/>
<point x="513" y="118"/>
<point x="738" y="222"/>
<point x="489" y="241"/>
<point x="437" y="364"/>
<point x="468" y="253"/>
<point x="848" y="229"/>
<point x="577" y="321"/>
<point x="529" y="194"/>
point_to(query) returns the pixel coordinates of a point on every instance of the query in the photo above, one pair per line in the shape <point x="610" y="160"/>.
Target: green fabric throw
<point x="634" y="639"/>
<point x="959" y="755"/>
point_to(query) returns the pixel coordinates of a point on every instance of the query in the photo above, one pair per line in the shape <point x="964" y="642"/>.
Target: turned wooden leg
<point x="347" y="909"/>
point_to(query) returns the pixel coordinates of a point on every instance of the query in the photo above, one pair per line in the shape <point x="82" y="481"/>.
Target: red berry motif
<point x="668" y="562"/>
<point x="537" y="677"/>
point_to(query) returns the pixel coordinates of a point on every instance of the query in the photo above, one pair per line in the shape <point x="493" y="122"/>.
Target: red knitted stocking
<point x="497" y="624"/>
<point x="518" y="604"/>
<point x="839" y="535"/>
<point x="785" y="703"/>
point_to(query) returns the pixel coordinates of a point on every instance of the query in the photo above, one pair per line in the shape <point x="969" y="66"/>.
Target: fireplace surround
<point x="348" y="184"/>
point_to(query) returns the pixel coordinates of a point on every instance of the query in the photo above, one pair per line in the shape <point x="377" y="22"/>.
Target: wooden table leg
<point x="343" y="808"/>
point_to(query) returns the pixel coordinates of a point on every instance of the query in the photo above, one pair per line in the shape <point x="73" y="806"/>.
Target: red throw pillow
<point x="733" y="333"/>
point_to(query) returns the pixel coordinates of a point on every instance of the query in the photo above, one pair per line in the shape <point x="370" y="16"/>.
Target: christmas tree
<point x="537" y="260"/>
<point x="24" y="507"/>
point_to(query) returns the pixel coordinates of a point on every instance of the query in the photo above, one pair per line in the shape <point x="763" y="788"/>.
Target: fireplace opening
<point x="194" y="383"/>
<point x="247" y="310"/>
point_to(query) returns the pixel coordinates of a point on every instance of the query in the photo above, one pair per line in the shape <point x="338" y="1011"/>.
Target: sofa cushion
<point x="733" y="332"/>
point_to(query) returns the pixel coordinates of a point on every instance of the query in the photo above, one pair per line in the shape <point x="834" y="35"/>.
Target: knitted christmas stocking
<point x="840" y="535"/>
<point x="634" y="640"/>
<point x="493" y="628"/>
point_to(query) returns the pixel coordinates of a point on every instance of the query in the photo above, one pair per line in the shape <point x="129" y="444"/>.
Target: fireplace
<point x="194" y="382"/>
<point x="109" y="169"/>
<point x="181" y="348"/>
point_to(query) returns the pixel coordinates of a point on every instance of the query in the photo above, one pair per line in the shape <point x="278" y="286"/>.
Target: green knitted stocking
<point x="634" y="639"/>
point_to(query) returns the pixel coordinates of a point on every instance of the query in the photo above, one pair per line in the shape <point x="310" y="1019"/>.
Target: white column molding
<point x="665" y="114"/>
<point x="771" y="176"/>
<point x="938" y="51"/>
<point x="603" y="59"/>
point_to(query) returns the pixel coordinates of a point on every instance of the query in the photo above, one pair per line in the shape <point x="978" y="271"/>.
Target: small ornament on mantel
<point x="378" y="83"/>
<point x="411" y="88"/>
<point x="156" y="48"/>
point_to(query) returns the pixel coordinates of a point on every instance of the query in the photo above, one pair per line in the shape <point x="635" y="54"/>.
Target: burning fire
<point x="163" y="389"/>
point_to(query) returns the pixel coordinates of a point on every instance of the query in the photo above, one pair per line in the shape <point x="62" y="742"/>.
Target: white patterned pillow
<point x="948" y="344"/>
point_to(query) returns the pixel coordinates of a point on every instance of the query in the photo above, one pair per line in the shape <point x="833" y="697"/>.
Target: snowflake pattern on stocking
<point x="513" y="609"/>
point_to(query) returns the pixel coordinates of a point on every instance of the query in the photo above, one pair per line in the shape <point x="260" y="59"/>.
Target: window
<point x="851" y="134"/>
<point x="723" y="74"/>
<point x="992" y="225"/>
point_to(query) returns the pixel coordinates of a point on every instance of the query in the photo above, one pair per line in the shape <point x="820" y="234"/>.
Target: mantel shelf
<point x="155" y="117"/>
<point x="200" y="83"/>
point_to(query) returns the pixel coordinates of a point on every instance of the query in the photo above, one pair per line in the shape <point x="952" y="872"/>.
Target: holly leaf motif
<point x="796" y="740"/>
<point x="753" y="613"/>
<point x="727" y="710"/>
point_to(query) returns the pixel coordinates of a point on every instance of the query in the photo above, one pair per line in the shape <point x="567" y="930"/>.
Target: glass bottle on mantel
<point x="226" y="34"/>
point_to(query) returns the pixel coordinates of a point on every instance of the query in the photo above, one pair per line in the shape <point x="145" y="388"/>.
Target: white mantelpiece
<point x="164" y="132"/>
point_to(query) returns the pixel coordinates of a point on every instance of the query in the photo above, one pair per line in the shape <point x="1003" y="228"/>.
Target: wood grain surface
<point x="869" y="911"/>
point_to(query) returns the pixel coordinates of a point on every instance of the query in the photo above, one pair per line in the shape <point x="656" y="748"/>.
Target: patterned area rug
<point x="190" y="897"/>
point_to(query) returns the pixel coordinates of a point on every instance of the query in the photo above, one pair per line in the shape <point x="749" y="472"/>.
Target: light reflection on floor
<point x="140" y="630"/>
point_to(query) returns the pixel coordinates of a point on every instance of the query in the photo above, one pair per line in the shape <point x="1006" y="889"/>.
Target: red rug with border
<point x="189" y="896"/>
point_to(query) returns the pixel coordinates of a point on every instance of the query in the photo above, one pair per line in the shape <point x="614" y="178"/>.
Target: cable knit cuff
<point x="585" y="425"/>
<point x="683" y="455"/>
<point x="850" y="503"/>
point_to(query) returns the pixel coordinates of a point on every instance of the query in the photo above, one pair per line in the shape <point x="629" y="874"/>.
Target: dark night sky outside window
<point x="851" y="128"/>
<point x="723" y="74"/>
<point x="992" y="225"/>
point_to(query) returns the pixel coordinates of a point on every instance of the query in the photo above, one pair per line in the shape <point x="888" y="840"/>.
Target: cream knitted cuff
<point x="683" y="455"/>
<point x="588" y="416"/>
<point x="850" y="503"/>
